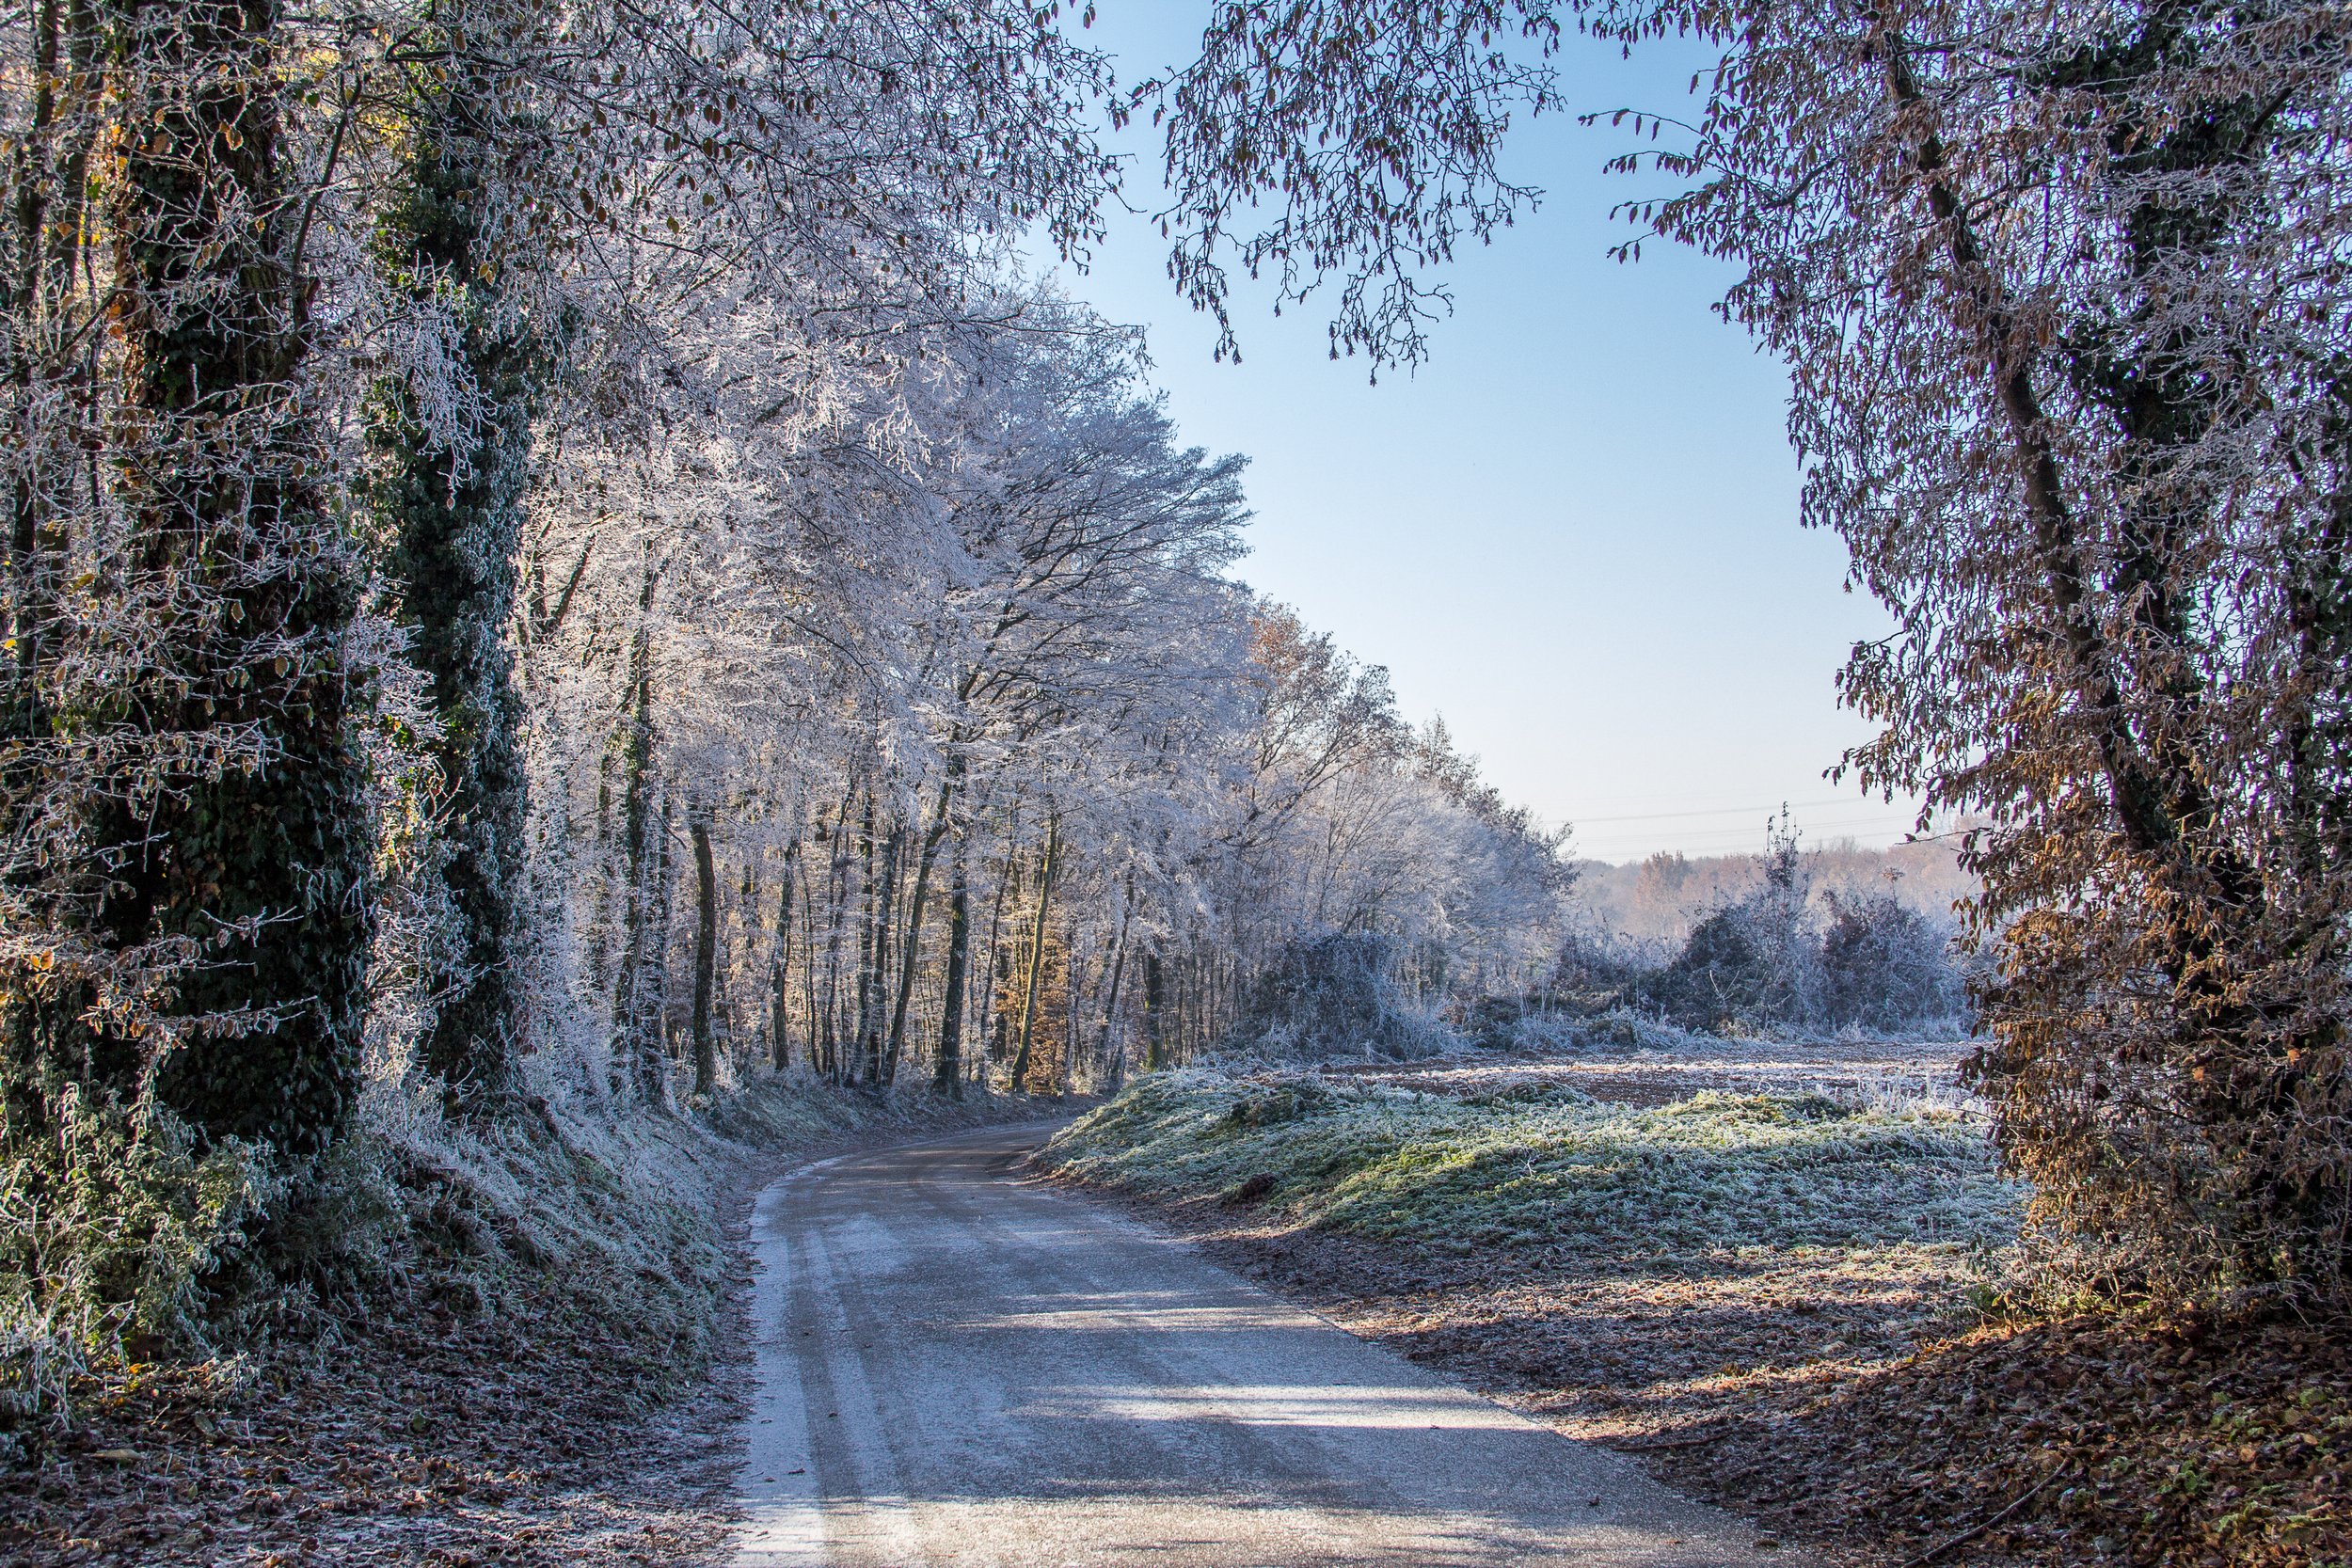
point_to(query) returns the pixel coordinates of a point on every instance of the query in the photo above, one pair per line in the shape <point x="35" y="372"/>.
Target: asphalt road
<point x="958" y="1366"/>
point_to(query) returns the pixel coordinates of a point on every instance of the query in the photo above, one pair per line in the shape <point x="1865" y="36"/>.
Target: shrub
<point x="1333" y="995"/>
<point x="1884" y="966"/>
<point x="1751" y="962"/>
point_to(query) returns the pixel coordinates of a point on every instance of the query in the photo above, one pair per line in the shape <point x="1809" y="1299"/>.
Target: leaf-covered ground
<point x="1777" y="1299"/>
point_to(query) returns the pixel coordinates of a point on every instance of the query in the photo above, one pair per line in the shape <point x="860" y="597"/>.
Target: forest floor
<point x="563" y="1418"/>
<point x="1774" y="1274"/>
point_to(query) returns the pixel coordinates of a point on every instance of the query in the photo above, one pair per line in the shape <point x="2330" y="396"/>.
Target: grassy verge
<point x="518" y="1375"/>
<point x="1552" y="1169"/>
<point x="1784" y="1302"/>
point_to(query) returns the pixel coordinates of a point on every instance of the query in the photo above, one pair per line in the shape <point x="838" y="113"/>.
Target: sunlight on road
<point x="959" y="1368"/>
<point x="1277" y="1406"/>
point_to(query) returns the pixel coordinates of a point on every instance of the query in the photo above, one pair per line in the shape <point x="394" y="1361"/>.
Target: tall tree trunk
<point x="454" y="513"/>
<point x="808" y="970"/>
<point x="41" y="316"/>
<point x="873" y="1027"/>
<point x="233" y="555"/>
<point x="1036" y="950"/>
<point x="705" y="956"/>
<point x="1070" y="1030"/>
<point x="836" y="898"/>
<point x="914" y="950"/>
<point x="46" y="245"/>
<point x="991" y="1024"/>
<point x="630" y="1019"/>
<point x="1154" y="1010"/>
<point x="654" y="1041"/>
<point x="948" y="1074"/>
<point x="2148" y="808"/>
<point x="779" y="972"/>
<point x="873" y="933"/>
<point x="1110" y="1001"/>
<point x="841" y="864"/>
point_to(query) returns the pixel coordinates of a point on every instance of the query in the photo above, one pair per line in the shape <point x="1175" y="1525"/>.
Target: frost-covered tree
<point x="191" y="921"/>
<point x="2059" y="284"/>
<point x="452" y="459"/>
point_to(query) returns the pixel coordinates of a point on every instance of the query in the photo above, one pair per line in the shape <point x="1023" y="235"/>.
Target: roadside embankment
<point x="1788" y="1302"/>
<point x="496" y="1349"/>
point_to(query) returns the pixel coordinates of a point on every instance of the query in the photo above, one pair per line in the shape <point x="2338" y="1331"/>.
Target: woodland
<point x="565" y="593"/>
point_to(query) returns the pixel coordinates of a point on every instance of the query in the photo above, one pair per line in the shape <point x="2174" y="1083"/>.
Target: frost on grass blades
<point x="1548" y="1168"/>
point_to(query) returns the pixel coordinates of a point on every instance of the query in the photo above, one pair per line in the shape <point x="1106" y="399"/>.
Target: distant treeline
<point x="1660" y="899"/>
<point x="1786" y="940"/>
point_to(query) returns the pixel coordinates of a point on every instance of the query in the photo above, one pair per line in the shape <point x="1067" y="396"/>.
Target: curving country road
<point x="959" y="1367"/>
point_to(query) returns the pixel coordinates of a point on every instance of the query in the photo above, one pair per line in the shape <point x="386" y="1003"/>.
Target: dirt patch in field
<point x="1854" y="1070"/>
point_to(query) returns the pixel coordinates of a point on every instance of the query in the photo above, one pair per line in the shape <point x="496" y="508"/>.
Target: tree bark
<point x="914" y="949"/>
<point x="1111" y="1000"/>
<point x="1154" y="1010"/>
<point x="630" y="1020"/>
<point x="991" y="1024"/>
<point x="874" y="984"/>
<point x="947" y="1074"/>
<point x="1047" y="868"/>
<point x="455" y="516"/>
<point x="2140" y="801"/>
<point x="234" y="552"/>
<point x="705" y="956"/>
<point x="779" y="971"/>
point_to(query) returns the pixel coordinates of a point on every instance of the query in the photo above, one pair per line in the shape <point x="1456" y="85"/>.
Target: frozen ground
<point x="1658" y="1072"/>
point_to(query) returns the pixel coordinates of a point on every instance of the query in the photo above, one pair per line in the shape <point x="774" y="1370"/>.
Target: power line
<point x="1715" y="810"/>
<point x="1727" y="838"/>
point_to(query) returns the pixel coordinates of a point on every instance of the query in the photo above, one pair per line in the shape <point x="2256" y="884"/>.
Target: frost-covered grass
<point x="1548" y="1168"/>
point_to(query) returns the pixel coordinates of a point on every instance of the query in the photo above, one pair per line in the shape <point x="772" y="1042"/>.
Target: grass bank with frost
<point x="564" y="1211"/>
<point x="476" y="1343"/>
<point x="1552" y="1169"/>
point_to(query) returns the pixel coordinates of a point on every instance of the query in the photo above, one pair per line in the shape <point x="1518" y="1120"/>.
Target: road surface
<point x="959" y="1367"/>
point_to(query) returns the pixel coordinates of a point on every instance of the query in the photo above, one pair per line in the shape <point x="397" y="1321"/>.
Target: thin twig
<point x="1981" y="1525"/>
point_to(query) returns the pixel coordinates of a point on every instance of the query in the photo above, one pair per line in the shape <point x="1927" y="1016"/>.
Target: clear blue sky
<point x="1574" y="531"/>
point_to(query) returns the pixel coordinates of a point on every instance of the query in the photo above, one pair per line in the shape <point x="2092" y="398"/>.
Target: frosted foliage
<point x="2062" y="289"/>
<point x="555" y="556"/>
<point x="942" y="625"/>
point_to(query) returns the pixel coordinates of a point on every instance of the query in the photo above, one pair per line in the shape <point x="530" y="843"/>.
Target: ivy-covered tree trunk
<point x="45" y="311"/>
<point x="637" y="1059"/>
<point x="45" y="314"/>
<point x="255" y="857"/>
<point x="451" y="505"/>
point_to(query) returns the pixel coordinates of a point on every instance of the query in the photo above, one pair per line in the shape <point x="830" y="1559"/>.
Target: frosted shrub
<point x="1336" y="995"/>
<point x="1884" y="967"/>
